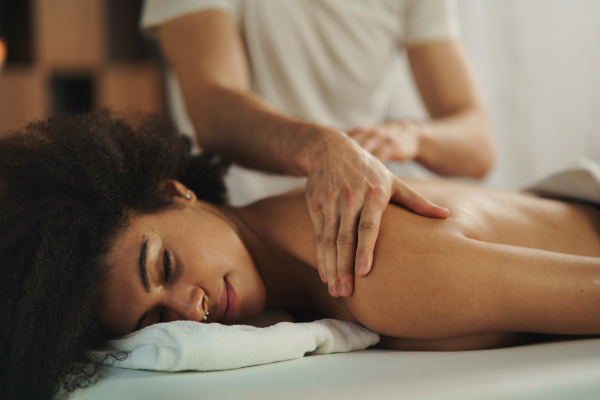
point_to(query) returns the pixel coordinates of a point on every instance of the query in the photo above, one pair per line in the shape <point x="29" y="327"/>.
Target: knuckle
<point x="319" y="238"/>
<point x="376" y="192"/>
<point x="329" y="195"/>
<point x="367" y="226"/>
<point x="347" y="194"/>
<point x="345" y="274"/>
<point x="315" y="206"/>
<point x="345" y="239"/>
<point x="344" y="267"/>
<point x="330" y="242"/>
<point x="372" y="191"/>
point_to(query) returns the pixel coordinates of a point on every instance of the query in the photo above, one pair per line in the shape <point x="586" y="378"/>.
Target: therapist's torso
<point x="325" y="61"/>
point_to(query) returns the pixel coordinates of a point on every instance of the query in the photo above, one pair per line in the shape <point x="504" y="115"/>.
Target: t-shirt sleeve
<point x="157" y="12"/>
<point x="430" y="21"/>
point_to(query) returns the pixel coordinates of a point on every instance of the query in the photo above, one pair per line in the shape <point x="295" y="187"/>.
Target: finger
<point x="316" y="216"/>
<point x="368" y="230"/>
<point x="360" y="136"/>
<point x="346" y="249"/>
<point x="330" y="250"/>
<point x="414" y="201"/>
<point x="371" y="142"/>
<point x="356" y="132"/>
<point x="383" y="152"/>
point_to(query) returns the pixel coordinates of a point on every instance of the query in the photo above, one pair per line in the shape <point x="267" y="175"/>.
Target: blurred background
<point x="537" y="63"/>
<point x="75" y="55"/>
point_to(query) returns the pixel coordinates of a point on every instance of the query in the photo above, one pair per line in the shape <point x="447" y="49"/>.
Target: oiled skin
<point x="502" y="263"/>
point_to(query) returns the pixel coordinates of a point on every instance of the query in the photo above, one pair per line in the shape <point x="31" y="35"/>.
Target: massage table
<point x="556" y="370"/>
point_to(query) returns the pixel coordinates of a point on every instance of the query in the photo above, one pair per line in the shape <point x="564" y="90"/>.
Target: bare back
<point x="502" y="262"/>
<point x="517" y="219"/>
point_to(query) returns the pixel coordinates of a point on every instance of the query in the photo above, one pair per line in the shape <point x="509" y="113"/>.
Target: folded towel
<point x="580" y="180"/>
<point x="188" y="345"/>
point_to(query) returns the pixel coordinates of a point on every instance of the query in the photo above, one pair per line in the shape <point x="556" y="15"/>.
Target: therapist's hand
<point x="391" y="141"/>
<point x="347" y="191"/>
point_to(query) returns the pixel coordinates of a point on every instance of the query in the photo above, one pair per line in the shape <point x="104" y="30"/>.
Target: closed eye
<point x="167" y="264"/>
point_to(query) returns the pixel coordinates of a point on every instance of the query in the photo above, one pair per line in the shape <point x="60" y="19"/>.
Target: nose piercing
<point x="205" y="315"/>
<point x="188" y="195"/>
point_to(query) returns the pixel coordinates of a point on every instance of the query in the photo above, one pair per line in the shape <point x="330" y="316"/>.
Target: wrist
<point x="424" y="138"/>
<point x="317" y="141"/>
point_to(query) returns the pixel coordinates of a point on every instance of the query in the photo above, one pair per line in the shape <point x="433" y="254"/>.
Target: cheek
<point x="218" y="253"/>
<point x="220" y="250"/>
<point x="243" y="276"/>
<point x="220" y="241"/>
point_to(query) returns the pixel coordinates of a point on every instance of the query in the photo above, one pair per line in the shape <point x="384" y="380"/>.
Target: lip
<point x="228" y="304"/>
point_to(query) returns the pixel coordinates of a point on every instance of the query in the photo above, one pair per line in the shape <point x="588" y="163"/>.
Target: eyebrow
<point x="142" y="264"/>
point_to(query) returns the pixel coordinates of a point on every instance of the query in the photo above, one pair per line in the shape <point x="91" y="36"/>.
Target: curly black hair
<point x="68" y="184"/>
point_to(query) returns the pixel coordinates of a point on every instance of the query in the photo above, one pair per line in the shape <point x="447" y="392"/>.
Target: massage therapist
<point x="302" y="88"/>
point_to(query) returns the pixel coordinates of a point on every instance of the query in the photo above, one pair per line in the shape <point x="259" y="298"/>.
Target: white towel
<point x="579" y="180"/>
<point x="188" y="345"/>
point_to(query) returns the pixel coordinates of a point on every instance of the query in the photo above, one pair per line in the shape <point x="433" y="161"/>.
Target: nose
<point x="184" y="304"/>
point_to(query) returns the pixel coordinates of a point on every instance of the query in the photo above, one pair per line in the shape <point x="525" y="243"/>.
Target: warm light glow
<point x="2" y="52"/>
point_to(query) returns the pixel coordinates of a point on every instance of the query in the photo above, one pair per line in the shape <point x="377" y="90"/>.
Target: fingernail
<point x="334" y="289"/>
<point x="325" y="276"/>
<point x="345" y="288"/>
<point x="361" y="267"/>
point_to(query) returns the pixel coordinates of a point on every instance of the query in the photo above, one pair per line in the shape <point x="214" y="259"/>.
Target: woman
<point x="105" y="230"/>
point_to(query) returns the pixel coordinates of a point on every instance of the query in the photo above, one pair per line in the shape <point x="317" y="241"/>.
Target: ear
<point x="178" y="189"/>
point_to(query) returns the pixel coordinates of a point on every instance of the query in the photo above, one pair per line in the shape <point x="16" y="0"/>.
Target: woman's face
<point x="175" y="265"/>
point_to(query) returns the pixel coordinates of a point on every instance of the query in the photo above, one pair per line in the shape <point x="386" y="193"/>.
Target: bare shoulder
<point x="284" y="221"/>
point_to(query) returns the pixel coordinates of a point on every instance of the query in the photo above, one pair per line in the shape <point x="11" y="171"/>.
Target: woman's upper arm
<point x="205" y="48"/>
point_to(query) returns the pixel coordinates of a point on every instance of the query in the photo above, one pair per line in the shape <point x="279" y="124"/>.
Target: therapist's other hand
<point x="347" y="191"/>
<point x="391" y="141"/>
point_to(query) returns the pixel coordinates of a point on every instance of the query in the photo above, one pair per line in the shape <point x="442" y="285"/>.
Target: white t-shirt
<point x="326" y="61"/>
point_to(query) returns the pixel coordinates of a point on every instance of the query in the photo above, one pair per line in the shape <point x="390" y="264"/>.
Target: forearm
<point x="206" y="52"/>
<point x="457" y="141"/>
<point x="264" y="138"/>
<point x="456" y="145"/>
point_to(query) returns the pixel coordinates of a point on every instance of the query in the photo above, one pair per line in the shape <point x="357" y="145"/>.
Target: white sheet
<point x="579" y="180"/>
<point x="565" y="370"/>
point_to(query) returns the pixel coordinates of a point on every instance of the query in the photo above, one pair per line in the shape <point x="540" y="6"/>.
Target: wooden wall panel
<point x="70" y="34"/>
<point x="23" y="97"/>
<point x="131" y="87"/>
<point x="70" y="43"/>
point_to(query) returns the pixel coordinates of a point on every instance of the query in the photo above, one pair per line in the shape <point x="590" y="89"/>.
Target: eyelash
<point x="167" y="263"/>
